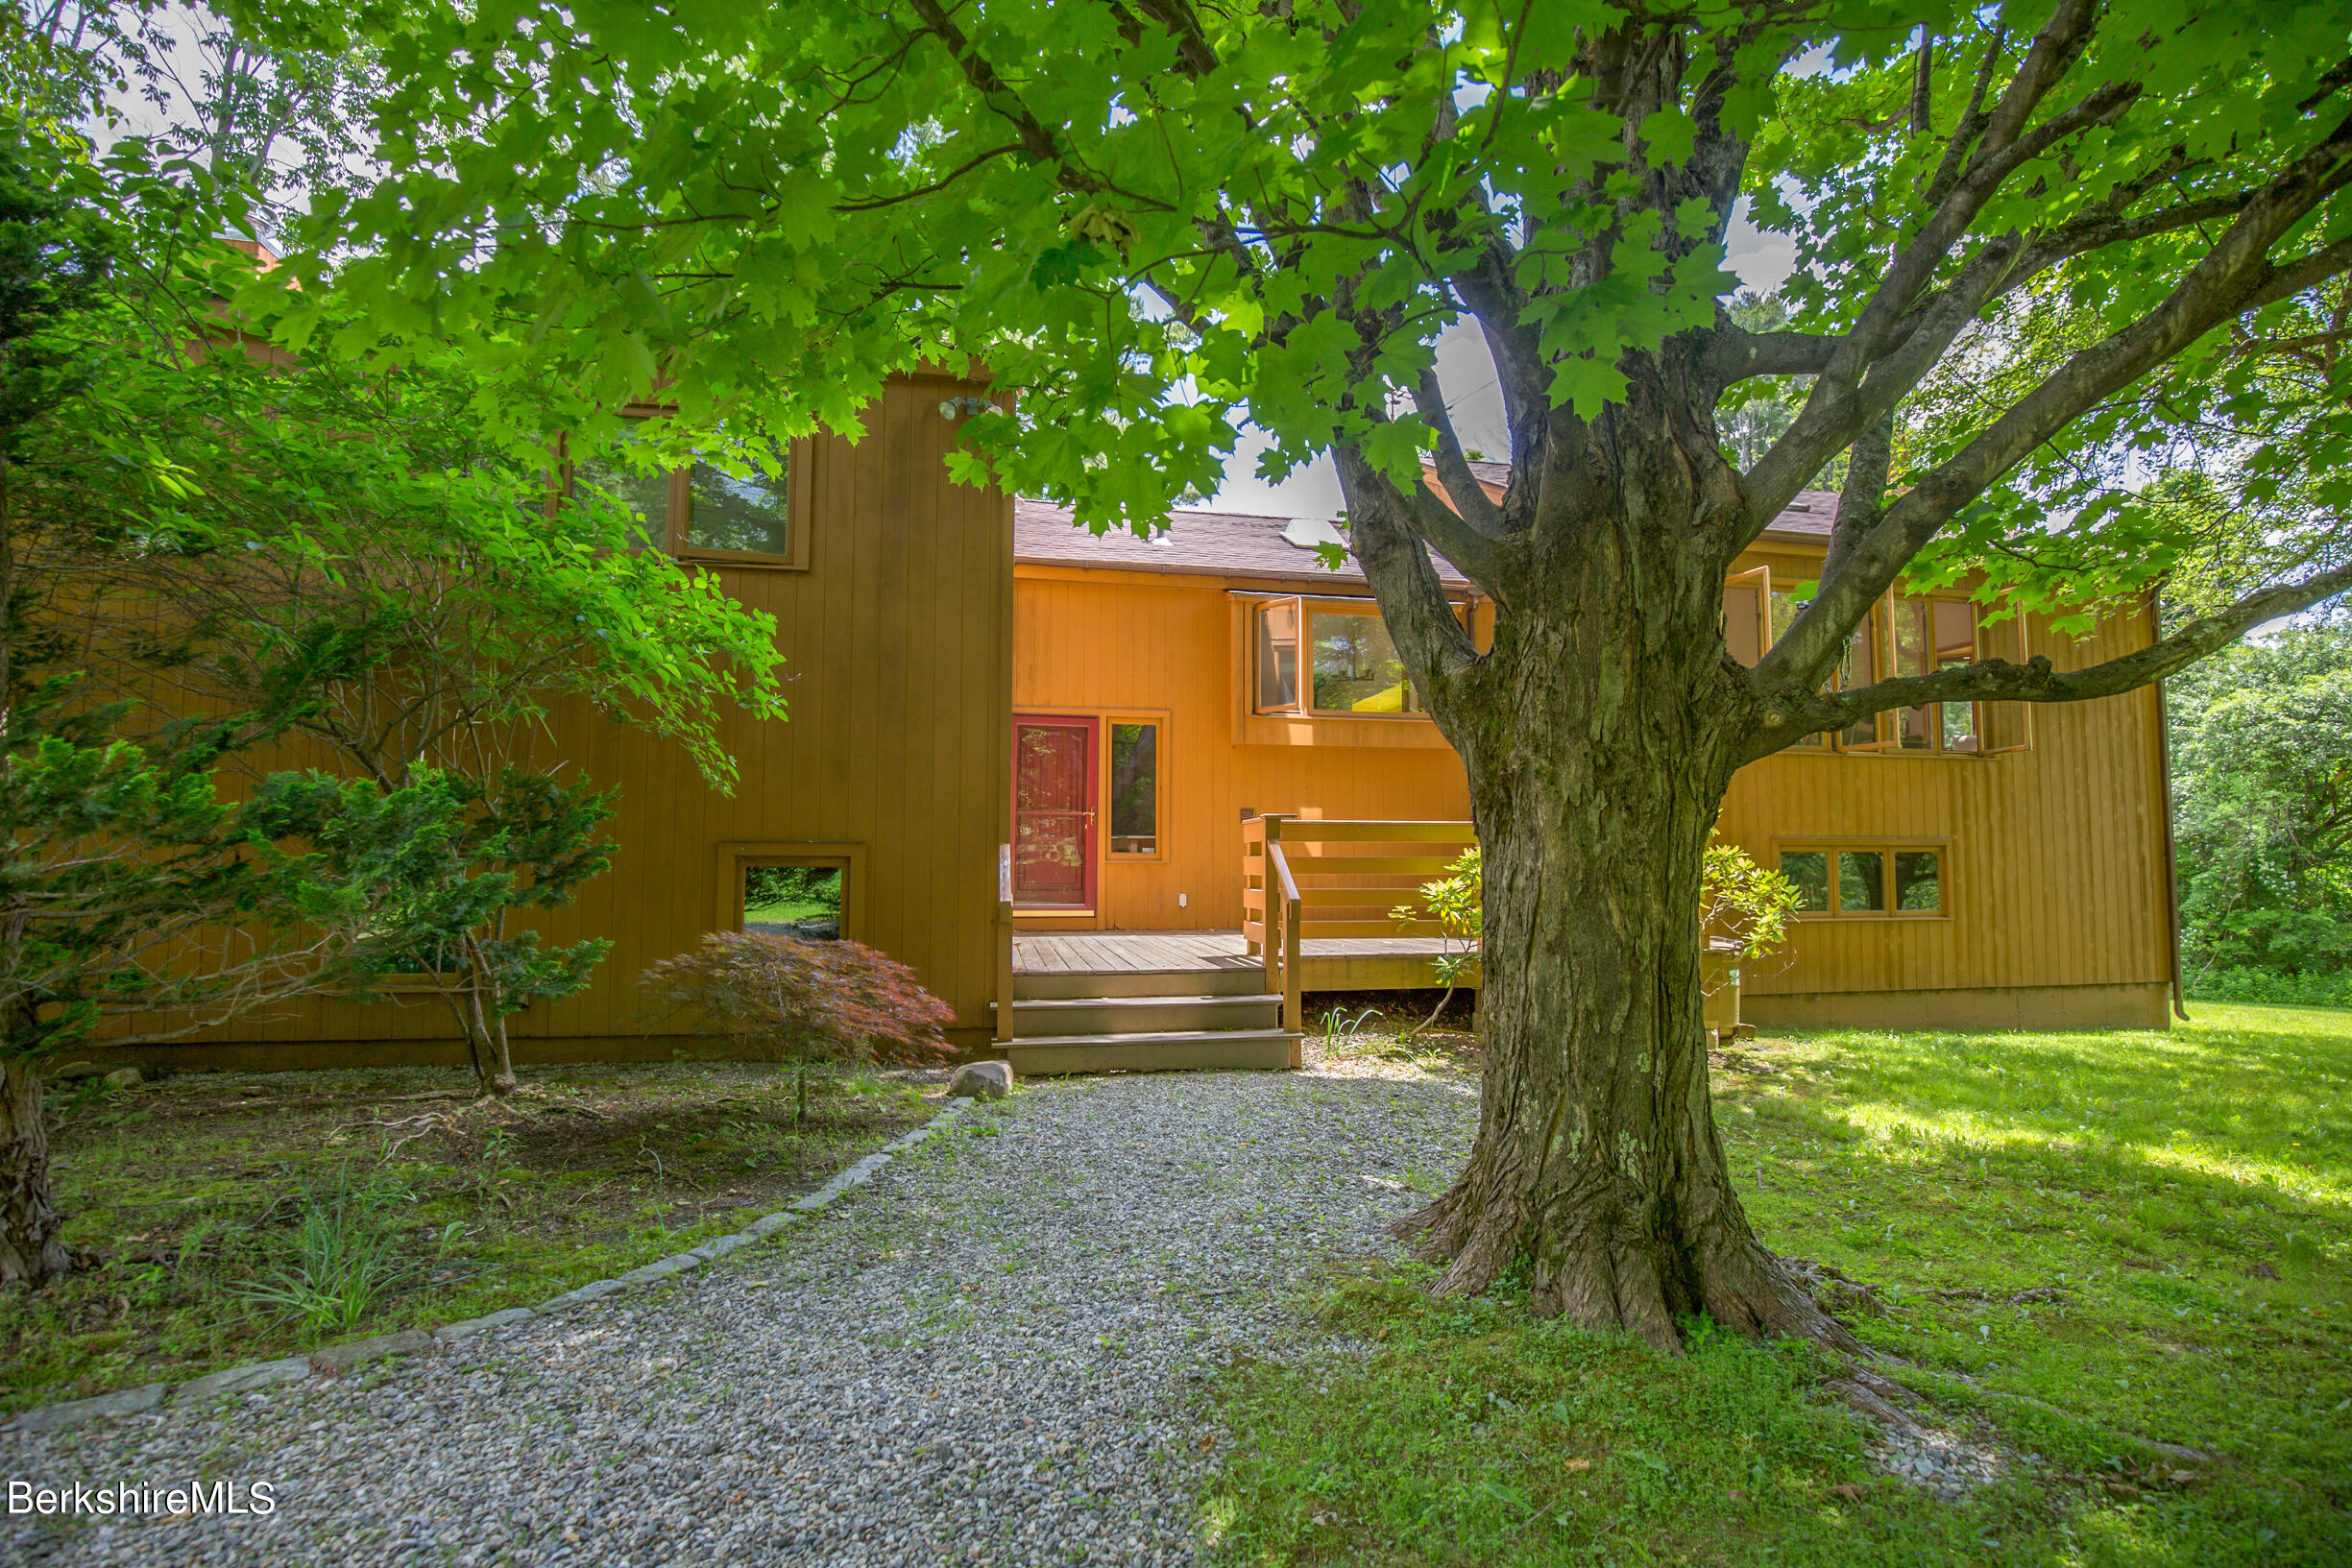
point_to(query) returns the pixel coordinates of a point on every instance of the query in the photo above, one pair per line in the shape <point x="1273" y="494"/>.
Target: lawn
<point x="237" y="1216"/>
<point x="2073" y="1247"/>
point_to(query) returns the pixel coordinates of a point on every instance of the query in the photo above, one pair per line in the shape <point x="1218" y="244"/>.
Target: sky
<point x="1762" y="261"/>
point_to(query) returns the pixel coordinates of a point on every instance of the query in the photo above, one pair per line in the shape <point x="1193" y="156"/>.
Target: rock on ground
<point x="983" y="1358"/>
<point x="980" y="1080"/>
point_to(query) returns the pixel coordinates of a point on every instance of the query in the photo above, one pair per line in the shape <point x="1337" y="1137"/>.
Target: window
<point x="645" y="494"/>
<point x="1328" y="659"/>
<point x="793" y="900"/>
<point x="748" y="516"/>
<point x="1134" y="788"/>
<point x="1279" y="656"/>
<point x="703" y="512"/>
<point x="1907" y="636"/>
<point x="1745" y="633"/>
<point x="1871" y="881"/>
<point x="1356" y="667"/>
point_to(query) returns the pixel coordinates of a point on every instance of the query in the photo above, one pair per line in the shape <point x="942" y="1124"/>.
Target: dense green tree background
<point x="2262" y="777"/>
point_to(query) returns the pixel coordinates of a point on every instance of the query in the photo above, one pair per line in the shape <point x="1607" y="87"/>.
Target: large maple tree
<point x="2043" y="248"/>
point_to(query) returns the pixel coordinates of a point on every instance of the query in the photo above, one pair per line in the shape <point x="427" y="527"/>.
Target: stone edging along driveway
<point x="251" y="1375"/>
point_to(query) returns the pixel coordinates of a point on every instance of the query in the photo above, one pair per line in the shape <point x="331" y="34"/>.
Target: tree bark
<point x="31" y="1250"/>
<point x="493" y="1064"/>
<point x="1599" y="735"/>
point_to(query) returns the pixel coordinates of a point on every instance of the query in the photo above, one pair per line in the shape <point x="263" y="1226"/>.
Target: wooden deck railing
<point x="1305" y="878"/>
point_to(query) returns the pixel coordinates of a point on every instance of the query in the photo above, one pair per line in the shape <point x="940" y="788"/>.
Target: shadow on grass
<point x="2177" y="1205"/>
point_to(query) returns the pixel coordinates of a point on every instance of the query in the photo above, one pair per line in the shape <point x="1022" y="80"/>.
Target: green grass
<point x="237" y="1216"/>
<point x="2188" y="1195"/>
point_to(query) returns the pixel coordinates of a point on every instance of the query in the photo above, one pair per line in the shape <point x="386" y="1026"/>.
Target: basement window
<point x="803" y="900"/>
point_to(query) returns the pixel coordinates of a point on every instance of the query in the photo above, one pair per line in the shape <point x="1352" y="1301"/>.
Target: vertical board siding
<point x="898" y="691"/>
<point x="2054" y="857"/>
<point x="1119" y="645"/>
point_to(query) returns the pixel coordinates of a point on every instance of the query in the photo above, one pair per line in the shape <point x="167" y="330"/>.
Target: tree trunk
<point x="30" y="1248"/>
<point x="493" y="1065"/>
<point x="1596" y="784"/>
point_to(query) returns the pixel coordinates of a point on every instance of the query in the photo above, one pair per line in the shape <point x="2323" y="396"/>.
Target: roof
<point x="1808" y="518"/>
<point x="1214" y="543"/>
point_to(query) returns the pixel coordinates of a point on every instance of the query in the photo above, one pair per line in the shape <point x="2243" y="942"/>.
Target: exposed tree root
<point x="1603" y="1276"/>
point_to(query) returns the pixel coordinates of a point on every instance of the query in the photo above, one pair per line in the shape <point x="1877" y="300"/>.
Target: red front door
<point x="1053" y="812"/>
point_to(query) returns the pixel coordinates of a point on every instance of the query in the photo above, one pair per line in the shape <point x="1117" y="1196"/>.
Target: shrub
<point x="2245" y="984"/>
<point x="1451" y="903"/>
<point x="799" y="1001"/>
<point x="1744" y="902"/>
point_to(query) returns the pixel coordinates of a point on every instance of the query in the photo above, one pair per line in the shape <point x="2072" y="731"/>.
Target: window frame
<point x="1886" y="849"/>
<point x="1759" y="578"/>
<point x="848" y="856"/>
<point x="799" y="492"/>
<point x="1112" y="718"/>
<point x="1306" y="606"/>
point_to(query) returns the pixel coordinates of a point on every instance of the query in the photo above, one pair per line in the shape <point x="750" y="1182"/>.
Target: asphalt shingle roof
<point x="1213" y="544"/>
<point x="1246" y="545"/>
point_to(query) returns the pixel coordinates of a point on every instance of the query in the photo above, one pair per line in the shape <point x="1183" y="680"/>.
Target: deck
<point x="1329" y="963"/>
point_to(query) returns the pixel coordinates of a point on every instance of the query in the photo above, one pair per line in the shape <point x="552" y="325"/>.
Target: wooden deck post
<point x="1270" y="907"/>
<point x="1294" y="1012"/>
<point x="1003" y="970"/>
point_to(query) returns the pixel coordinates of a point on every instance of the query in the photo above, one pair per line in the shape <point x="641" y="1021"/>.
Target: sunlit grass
<point x="2181" y="1204"/>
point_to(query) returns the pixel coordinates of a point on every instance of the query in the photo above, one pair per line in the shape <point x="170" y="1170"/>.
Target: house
<point x="1008" y="735"/>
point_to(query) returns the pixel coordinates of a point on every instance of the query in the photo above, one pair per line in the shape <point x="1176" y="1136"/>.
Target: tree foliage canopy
<point x="2051" y="239"/>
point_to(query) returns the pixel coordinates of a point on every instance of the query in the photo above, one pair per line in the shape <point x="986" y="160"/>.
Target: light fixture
<point x="951" y="407"/>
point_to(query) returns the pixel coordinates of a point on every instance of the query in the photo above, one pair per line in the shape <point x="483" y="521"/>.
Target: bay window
<point x="1328" y="658"/>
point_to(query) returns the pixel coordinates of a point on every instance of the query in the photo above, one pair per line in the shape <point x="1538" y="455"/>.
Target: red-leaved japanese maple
<point x="802" y="1001"/>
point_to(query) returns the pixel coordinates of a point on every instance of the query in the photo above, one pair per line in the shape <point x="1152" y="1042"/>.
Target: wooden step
<point x="1169" y="1051"/>
<point x="1061" y="1017"/>
<point x="1068" y="984"/>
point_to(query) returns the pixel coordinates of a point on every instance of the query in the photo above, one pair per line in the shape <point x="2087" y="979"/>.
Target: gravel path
<point x="983" y="1358"/>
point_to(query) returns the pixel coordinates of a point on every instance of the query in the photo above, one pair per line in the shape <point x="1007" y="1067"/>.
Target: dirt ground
<point x="225" y="1217"/>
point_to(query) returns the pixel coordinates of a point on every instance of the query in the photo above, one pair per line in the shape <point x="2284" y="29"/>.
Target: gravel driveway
<point x="983" y="1358"/>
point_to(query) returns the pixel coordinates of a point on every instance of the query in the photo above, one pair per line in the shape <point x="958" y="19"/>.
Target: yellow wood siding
<point x="896" y="642"/>
<point x="2054" y="857"/>
<point x="1137" y="646"/>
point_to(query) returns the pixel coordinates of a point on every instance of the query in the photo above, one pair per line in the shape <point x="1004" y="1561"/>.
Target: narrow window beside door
<point x="1134" y="788"/>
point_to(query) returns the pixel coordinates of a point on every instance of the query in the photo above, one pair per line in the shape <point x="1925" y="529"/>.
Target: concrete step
<point x="1169" y="1051"/>
<point x="1060" y="1017"/>
<point x="1068" y="984"/>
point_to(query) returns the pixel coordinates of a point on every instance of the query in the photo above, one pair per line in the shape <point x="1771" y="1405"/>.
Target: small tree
<point x="128" y="887"/>
<point x="1744" y="903"/>
<point x="1451" y="903"/>
<point x="448" y="857"/>
<point x="1739" y="901"/>
<point x="803" y="1002"/>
